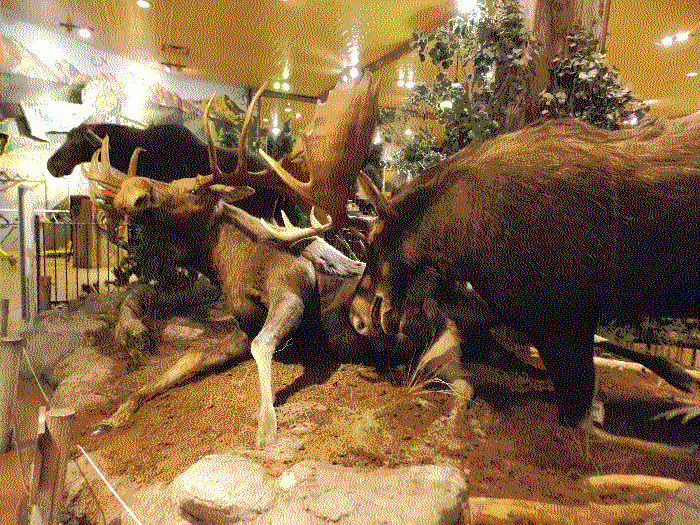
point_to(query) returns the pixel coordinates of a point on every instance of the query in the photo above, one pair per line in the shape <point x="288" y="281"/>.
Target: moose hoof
<point x="101" y="430"/>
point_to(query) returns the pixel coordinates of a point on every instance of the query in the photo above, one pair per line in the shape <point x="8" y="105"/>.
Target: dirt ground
<point x="508" y="442"/>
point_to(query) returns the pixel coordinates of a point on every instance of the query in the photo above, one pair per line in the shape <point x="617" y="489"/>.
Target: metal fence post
<point x="26" y="252"/>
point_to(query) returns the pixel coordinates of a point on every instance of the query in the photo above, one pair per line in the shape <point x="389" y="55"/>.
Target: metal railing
<point x="72" y="258"/>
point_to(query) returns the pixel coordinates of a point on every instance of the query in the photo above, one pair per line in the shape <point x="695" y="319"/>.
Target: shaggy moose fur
<point x="553" y="225"/>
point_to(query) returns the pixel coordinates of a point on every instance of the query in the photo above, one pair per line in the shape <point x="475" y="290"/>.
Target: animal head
<point x="378" y="301"/>
<point x="79" y="147"/>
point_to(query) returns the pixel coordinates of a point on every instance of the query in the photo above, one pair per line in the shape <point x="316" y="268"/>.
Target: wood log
<point x="641" y="482"/>
<point x="10" y="348"/>
<point x="49" y="471"/>
<point x="499" y="511"/>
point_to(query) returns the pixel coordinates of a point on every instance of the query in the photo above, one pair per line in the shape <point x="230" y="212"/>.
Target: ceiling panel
<point x="247" y="42"/>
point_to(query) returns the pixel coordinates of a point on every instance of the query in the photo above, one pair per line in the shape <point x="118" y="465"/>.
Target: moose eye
<point x="140" y="202"/>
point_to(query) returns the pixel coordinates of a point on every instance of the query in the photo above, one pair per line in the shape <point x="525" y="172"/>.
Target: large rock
<point x="55" y="334"/>
<point x="229" y="489"/>
<point x="77" y="374"/>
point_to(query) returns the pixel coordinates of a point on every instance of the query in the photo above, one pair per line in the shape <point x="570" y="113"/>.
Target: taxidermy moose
<point x="260" y="282"/>
<point x="553" y="225"/>
<point x="170" y="152"/>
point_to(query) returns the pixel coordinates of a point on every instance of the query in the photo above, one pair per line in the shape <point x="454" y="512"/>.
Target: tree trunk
<point x="550" y="21"/>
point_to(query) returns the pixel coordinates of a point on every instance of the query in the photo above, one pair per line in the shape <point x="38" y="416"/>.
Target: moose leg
<point x="568" y="357"/>
<point x="186" y="367"/>
<point x="283" y="316"/>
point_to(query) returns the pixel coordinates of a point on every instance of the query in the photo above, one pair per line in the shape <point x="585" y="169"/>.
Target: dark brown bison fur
<point x="553" y="225"/>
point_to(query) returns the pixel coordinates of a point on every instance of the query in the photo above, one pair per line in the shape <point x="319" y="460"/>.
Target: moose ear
<point x="379" y="201"/>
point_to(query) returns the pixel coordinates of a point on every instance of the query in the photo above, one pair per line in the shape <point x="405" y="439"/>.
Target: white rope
<point x="109" y="486"/>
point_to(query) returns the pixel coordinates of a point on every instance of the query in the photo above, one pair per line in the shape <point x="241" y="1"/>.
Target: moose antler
<point x="335" y="145"/>
<point x="264" y="231"/>
<point x="321" y="170"/>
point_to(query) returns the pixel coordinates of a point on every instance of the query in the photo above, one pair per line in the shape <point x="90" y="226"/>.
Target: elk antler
<point x="240" y="176"/>
<point x="100" y="170"/>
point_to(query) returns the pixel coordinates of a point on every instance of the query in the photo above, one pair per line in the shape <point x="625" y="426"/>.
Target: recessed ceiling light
<point x="145" y="4"/>
<point x="691" y="74"/>
<point x="287" y="110"/>
<point x="285" y="86"/>
<point x="298" y="115"/>
<point x="354" y="72"/>
<point x="345" y="78"/>
<point x="276" y="85"/>
<point x="408" y="132"/>
<point x="464" y="6"/>
<point x="668" y="41"/>
<point x="84" y="33"/>
<point x="682" y="36"/>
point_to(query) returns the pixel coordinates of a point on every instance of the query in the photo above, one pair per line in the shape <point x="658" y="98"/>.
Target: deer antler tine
<point x="104" y="150"/>
<point x="314" y="221"/>
<point x="288" y="178"/>
<point x="285" y="219"/>
<point x="211" y="149"/>
<point x="133" y="161"/>
<point x="241" y="167"/>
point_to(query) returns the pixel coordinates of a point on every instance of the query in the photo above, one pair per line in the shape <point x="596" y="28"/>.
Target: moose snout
<point x="56" y="169"/>
<point x="370" y="318"/>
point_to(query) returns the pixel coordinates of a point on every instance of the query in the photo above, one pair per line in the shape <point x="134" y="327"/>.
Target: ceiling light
<point x="400" y="83"/>
<point x="446" y="104"/>
<point x="84" y="33"/>
<point x="266" y="120"/>
<point x="682" y="36"/>
<point x="354" y="56"/>
<point x="275" y="131"/>
<point x="145" y="4"/>
<point x="377" y="138"/>
<point x="345" y="78"/>
<point x="666" y="42"/>
<point x="288" y="110"/>
<point x="691" y="74"/>
<point x="298" y="115"/>
<point x="410" y="84"/>
<point x="285" y="86"/>
<point x="464" y="6"/>
<point x="276" y="85"/>
<point x="285" y="72"/>
<point x="408" y="132"/>
<point x="354" y="72"/>
<point x="167" y="69"/>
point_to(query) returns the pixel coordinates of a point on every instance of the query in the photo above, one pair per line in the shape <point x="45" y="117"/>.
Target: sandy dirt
<point x="508" y="442"/>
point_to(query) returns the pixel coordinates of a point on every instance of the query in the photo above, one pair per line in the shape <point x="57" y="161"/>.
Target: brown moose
<point x="554" y="225"/>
